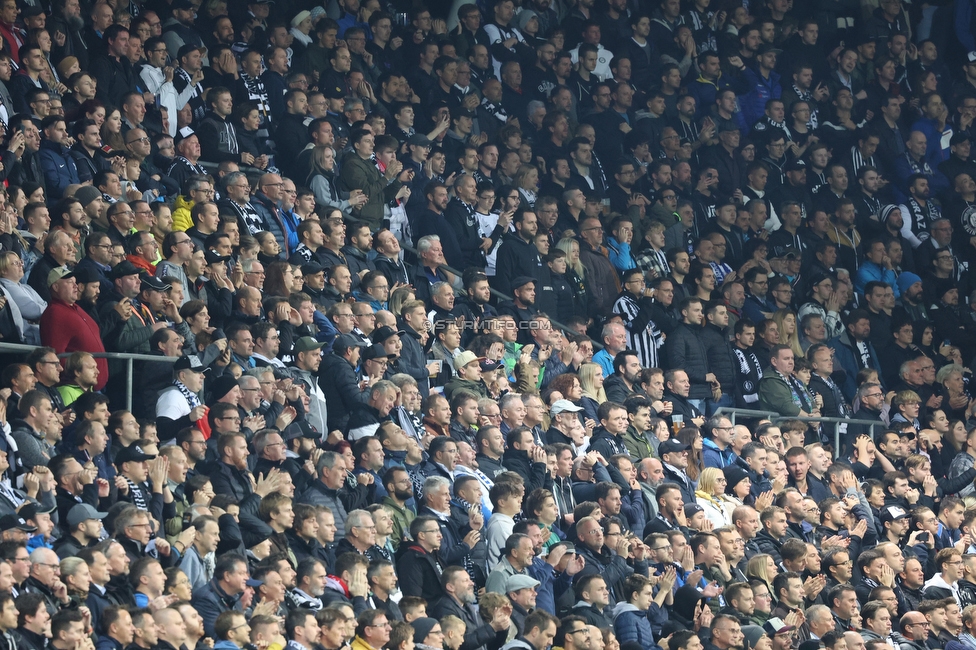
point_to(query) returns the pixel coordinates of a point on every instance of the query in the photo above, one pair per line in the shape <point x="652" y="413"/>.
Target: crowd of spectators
<point x="441" y="316"/>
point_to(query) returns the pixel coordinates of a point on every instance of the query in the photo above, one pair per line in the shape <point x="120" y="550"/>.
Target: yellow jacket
<point x="181" y="213"/>
<point x="359" y="644"/>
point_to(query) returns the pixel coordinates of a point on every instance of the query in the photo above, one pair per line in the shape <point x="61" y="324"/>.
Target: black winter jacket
<point x="685" y="350"/>
<point x="534" y="474"/>
<point x="339" y="383"/>
<point x="419" y="573"/>
<point x="720" y="359"/>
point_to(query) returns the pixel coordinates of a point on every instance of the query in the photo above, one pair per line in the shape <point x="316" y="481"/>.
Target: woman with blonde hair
<point x="322" y="181"/>
<point x="399" y="298"/>
<point x="575" y="275"/>
<point x="76" y="577"/>
<point x="709" y="495"/>
<point x="762" y="567"/>
<point x="788" y="331"/>
<point x="527" y="182"/>
<point x="591" y="380"/>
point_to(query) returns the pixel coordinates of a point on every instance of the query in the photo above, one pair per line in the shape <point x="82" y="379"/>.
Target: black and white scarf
<point x="305" y="252"/>
<point x="252" y="220"/>
<point x="807" y="96"/>
<point x="191" y="398"/>
<point x="750" y="372"/>
<point x="137" y="495"/>
<point x="196" y="99"/>
<point x="257" y="93"/>
<point x="195" y="168"/>
<point x="496" y="110"/>
<point x="923" y="216"/>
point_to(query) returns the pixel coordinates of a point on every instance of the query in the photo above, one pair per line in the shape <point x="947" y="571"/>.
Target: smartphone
<point x="924" y="537"/>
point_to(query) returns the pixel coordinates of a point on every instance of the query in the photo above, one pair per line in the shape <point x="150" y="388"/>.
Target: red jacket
<point x="140" y="263"/>
<point x="67" y="328"/>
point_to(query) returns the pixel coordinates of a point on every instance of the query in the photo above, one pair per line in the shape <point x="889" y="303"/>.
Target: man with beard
<point x="522" y="306"/>
<point x="678" y="387"/>
<point x="625" y="380"/>
<point x="911" y="303"/>
<point x="434" y="222"/>
<point x="517" y="256"/>
<point x="650" y="476"/>
<point x="474" y="306"/>
<point x="685" y="350"/>
<point x="399" y="489"/>
<point x="459" y="600"/>
<point x="193" y="443"/>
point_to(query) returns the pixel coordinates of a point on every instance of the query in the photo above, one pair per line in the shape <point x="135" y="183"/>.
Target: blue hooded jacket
<point x="712" y="456"/>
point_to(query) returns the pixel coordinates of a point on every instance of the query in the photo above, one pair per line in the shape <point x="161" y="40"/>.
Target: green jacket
<point x="775" y="395"/>
<point x="359" y="174"/>
<point x="637" y="445"/>
<point x="402" y="518"/>
<point x="456" y="384"/>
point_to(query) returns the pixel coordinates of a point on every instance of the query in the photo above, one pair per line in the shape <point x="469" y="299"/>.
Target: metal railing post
<point x="128" y="384"/>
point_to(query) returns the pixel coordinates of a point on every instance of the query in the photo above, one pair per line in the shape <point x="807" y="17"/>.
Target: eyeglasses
<point x="143" y="139"/>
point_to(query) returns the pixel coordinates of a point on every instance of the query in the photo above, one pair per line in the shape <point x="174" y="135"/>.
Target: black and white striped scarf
<point x="191" y="398"/>
<point x="195" y="168"/>
<point x="256" y="92"/>
<point x="807" y="96"/>
<point x="751" y="372"/>
<point x="199" y="110"/>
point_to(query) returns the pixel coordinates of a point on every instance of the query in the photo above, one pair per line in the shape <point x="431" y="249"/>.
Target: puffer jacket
<point x="631" y="624"/>
<point x="340" y="384"/>
<point x="685" y="350"/>
<point x="60" y="169"/>
<point x="181" y="213"/>
<point x="720" y="360"/>
<point x="413" y="361"/>
<point x="601" y="278"/>
<point x="274" y="220"/>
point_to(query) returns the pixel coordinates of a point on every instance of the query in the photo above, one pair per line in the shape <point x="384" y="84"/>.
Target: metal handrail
<point x="128" y="357"/>
<point x="501" y="296"/>
<point x="871" y="424"/>
<point x="732" y="412"/>
<point x="746" y="413"/>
